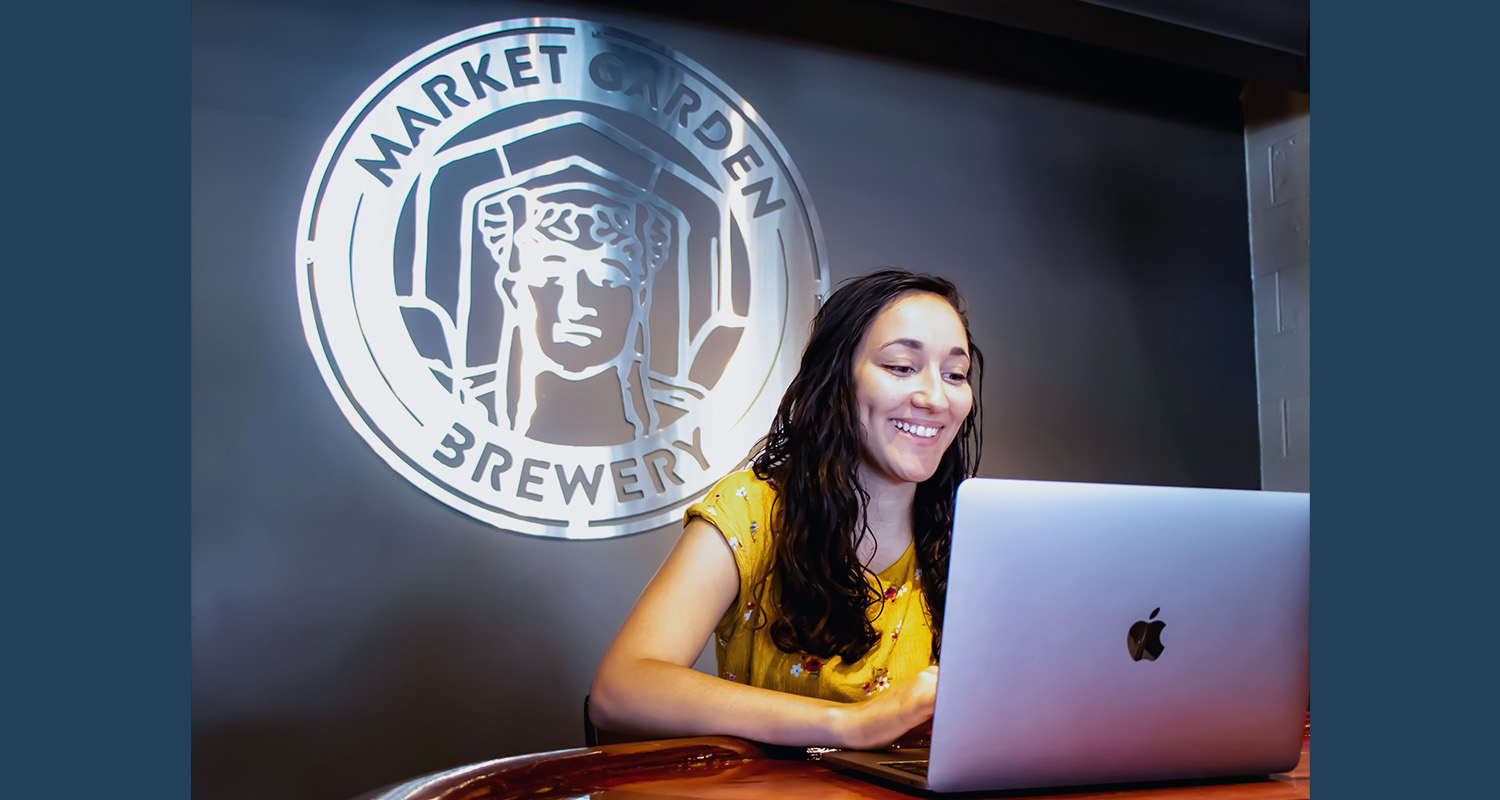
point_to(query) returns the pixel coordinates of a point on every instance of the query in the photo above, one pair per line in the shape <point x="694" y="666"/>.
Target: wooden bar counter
<point x="725" y="768"/>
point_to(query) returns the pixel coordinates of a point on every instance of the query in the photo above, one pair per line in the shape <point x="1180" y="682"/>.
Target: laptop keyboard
<point x="914" y="767"/>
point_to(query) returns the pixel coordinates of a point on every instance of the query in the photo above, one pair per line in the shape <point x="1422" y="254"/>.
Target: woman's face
<point x="911" y="387"/>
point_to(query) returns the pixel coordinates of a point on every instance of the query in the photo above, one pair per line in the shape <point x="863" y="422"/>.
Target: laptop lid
<point x="1107" y="633"/>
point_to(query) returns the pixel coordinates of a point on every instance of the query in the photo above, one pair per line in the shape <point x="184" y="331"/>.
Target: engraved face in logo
<point x="575" y="277"/>
<point x="589" y="290"/>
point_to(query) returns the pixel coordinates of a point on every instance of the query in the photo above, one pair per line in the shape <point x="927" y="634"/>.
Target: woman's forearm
<point x="658" y="698"/>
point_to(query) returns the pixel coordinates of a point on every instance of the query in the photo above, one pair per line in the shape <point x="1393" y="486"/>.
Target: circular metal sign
<point x="557" y="276"/>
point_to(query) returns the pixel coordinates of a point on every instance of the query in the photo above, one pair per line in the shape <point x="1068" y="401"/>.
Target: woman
<point x="821" y="570"/>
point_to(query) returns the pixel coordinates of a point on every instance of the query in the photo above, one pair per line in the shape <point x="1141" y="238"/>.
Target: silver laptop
<point x="1113" y="634"/>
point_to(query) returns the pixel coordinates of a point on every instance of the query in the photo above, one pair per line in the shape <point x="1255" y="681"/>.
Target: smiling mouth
<point x="919" y="431"/>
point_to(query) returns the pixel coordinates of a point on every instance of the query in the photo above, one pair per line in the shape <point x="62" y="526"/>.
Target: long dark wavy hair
<point x="812" y="456"/>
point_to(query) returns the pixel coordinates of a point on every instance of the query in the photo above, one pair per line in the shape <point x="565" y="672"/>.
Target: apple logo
<point x="1144" y="639"/>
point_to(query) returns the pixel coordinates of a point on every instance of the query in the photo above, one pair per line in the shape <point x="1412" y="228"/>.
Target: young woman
<point x="820" y="572"/>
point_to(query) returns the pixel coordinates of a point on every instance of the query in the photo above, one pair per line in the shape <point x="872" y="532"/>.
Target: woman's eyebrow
<point x="917" y="345"/>
<point x="912" y="343"/>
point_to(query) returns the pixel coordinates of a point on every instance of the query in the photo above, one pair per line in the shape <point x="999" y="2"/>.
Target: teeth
<point x="916" y="430"/>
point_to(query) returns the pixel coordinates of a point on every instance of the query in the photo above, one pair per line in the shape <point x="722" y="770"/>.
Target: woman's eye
<point x="958" y="377"/>
<point x="900" y="369"/>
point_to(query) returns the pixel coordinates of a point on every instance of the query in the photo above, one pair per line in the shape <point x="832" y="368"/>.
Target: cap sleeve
<point x="739" y="507"/>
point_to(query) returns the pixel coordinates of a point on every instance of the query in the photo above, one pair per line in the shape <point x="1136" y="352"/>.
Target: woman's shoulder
<point x="744" y="484"/>
<point x="738" y="490"/>
<point x="739" y="500"/>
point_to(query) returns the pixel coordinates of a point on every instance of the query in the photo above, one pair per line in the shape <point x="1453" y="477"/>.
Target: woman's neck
<point x="888" y="520"/>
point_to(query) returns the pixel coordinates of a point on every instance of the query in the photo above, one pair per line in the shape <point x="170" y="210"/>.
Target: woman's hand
<point x="883" y="719"/>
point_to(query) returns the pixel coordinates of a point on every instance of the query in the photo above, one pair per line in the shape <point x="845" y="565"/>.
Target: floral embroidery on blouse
<point x="749" y="609"/>
<point x="796" y="670"/>
<point x="878" y="683"/>
<point x="734" y="542"/>
<point x="896" y="631"/>
<point x="890" y="593"/>
<point x="903" y="590"/>
<point x="740" y="492"/>
<point x="812" y="665"/>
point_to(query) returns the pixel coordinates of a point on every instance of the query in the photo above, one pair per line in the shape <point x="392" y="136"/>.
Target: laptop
<point x="1101" y="633"/>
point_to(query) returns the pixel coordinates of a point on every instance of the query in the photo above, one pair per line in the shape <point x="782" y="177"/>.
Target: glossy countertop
<point x="726" y="768"/>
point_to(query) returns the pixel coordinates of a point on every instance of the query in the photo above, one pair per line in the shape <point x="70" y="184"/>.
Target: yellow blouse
<point x="739" y="506"/>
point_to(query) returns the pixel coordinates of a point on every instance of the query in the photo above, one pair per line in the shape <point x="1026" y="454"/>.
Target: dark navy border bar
<point x="1406" y="277"/>
<point x="95" y="569"/>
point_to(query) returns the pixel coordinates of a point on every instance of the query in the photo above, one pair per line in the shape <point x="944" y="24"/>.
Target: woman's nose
<point x="930" y="392"/>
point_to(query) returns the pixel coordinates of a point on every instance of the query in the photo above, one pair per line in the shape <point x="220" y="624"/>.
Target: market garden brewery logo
<point x="557" y="275"/>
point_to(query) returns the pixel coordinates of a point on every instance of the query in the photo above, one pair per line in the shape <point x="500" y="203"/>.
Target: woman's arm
<point x="646" y="683"/>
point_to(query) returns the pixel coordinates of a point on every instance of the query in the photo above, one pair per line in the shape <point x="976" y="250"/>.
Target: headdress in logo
<point x="556" y="275"/>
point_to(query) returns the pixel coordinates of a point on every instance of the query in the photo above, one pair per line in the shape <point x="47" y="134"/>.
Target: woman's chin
<point x="904" y="473"/>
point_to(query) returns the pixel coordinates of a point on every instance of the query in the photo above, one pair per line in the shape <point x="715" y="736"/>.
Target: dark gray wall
<point x="349" y="631"/>
<point x="1263" y="41"/>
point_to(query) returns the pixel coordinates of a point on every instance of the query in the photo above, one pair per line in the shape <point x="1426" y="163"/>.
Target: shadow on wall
<point x="419" y="691"/>
<point x="1192" y="311"/>
<point x="1132" y="344"/>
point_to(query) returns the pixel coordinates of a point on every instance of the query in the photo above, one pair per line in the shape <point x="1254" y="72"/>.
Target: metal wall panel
<point x="349" y="630"/>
